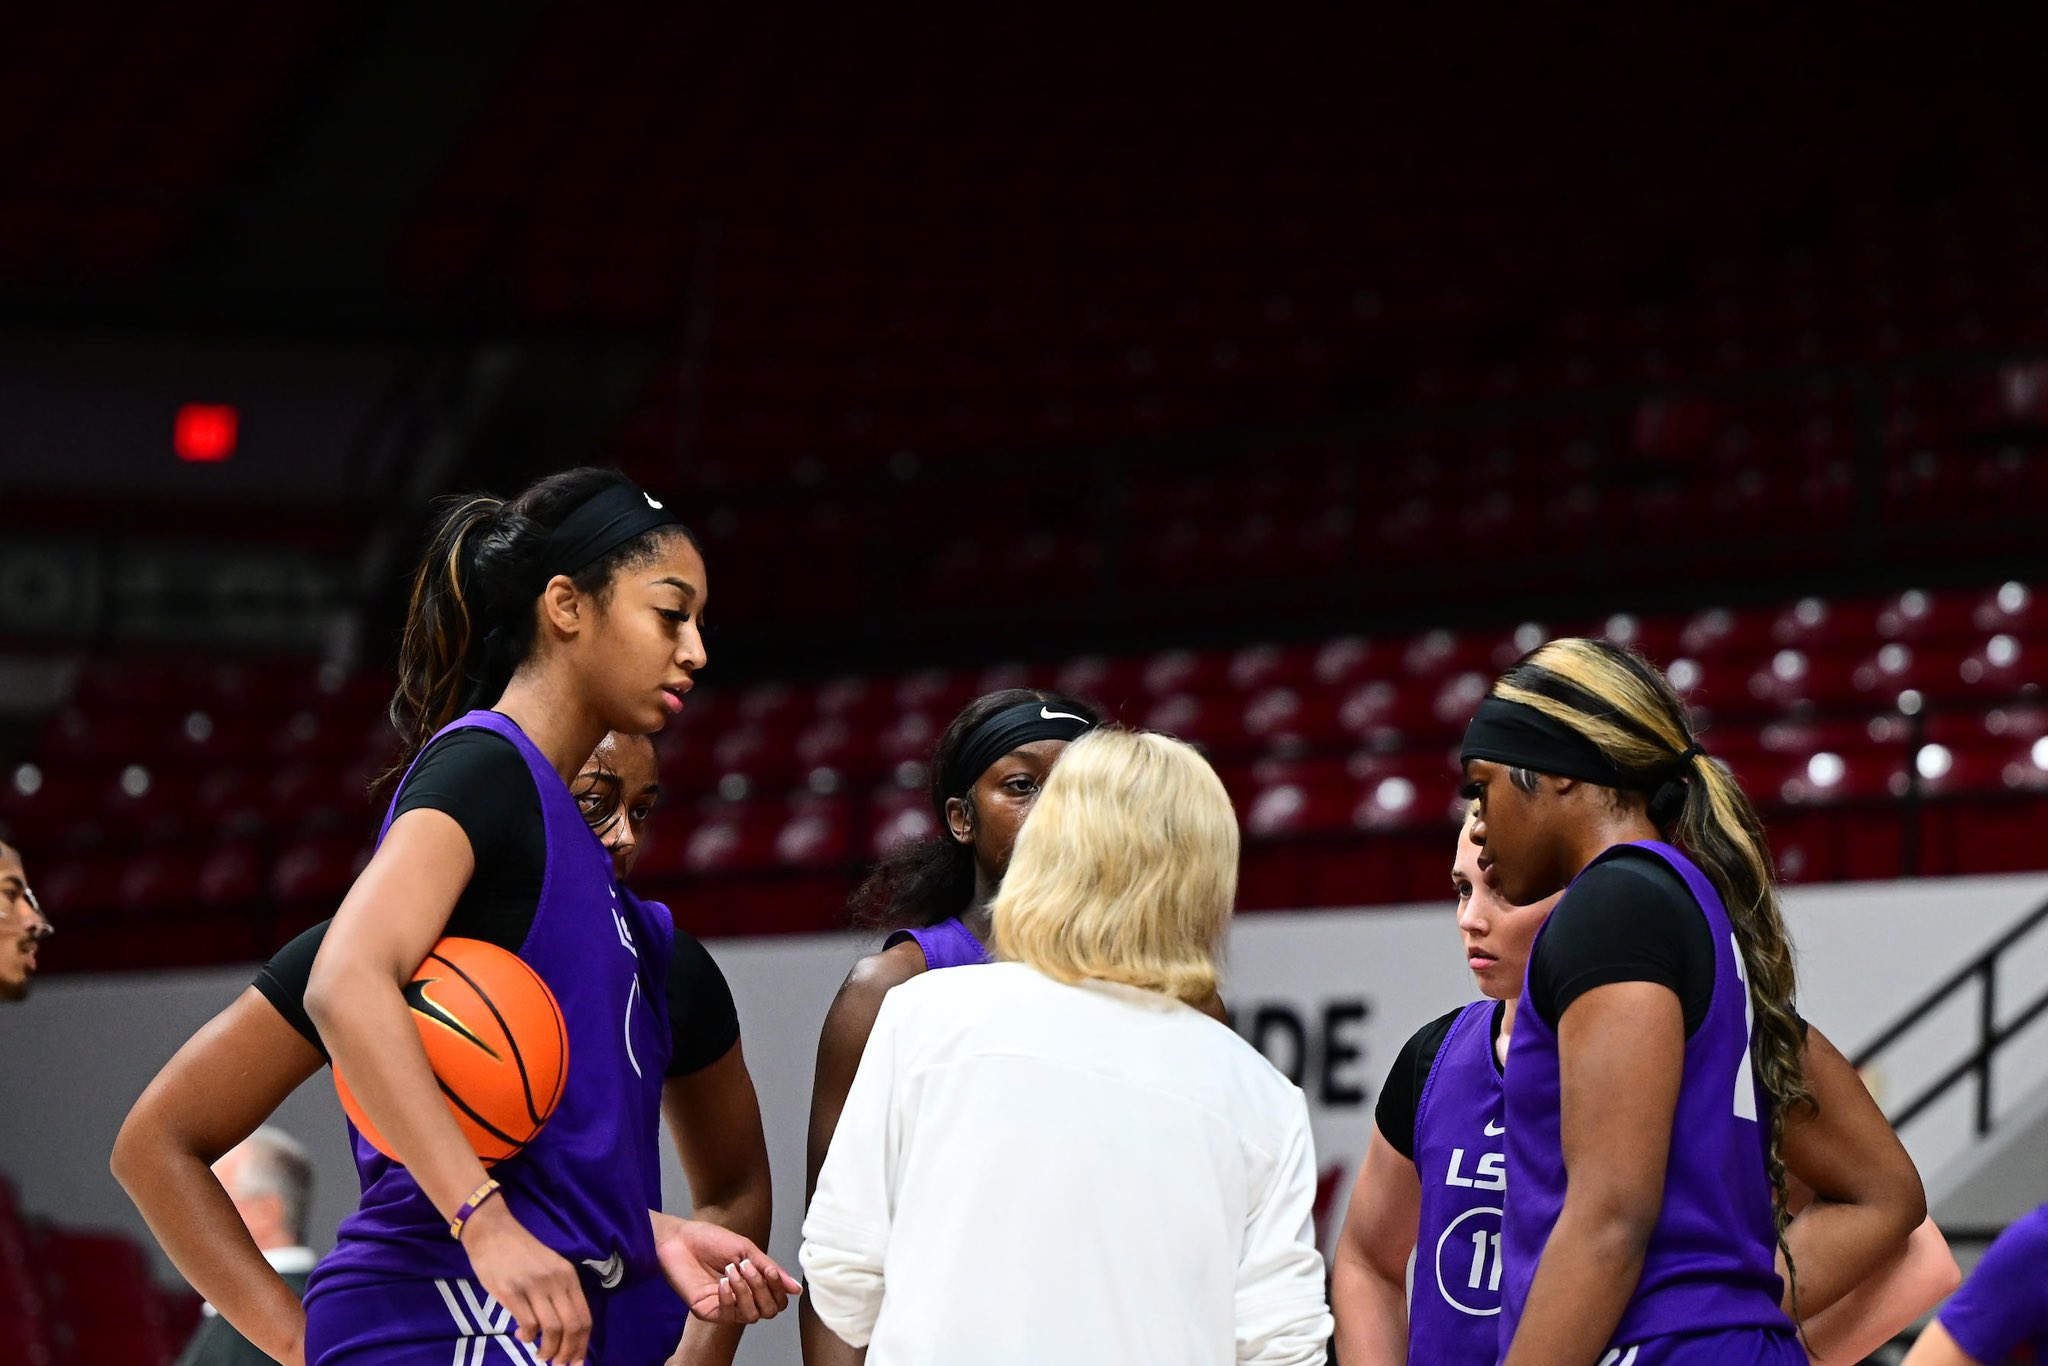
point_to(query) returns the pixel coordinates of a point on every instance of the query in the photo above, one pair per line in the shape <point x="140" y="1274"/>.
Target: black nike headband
<point x="1011" y="728"/>
<point x="601" y="524"/>
<point x="1520" y="736"/>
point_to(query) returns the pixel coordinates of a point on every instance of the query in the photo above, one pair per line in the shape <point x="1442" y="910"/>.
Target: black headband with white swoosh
<point x="1011" y="728"/>
<point x="601" y="524"/>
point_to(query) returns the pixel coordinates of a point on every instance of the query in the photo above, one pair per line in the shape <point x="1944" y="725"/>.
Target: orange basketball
<point x="496" y="1041"/>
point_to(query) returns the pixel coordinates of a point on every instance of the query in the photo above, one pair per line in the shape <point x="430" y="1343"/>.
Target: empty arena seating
<point x="1046" y="269"/>
<point x="1881" y="737"/>
<point x="1313" y="357"/>
<point x="116" y="121"/>
<point x="75" y="1298"/>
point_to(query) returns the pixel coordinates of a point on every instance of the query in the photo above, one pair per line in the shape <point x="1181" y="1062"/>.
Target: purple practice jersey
<point x="1461" y="1160"/>
<point x="2003" y="1308"/>
<point x="645" y="1319"/>
<point x="1710" y="1263"/>
<point x="948" y="944"/>
<point x="580" y="1185"/>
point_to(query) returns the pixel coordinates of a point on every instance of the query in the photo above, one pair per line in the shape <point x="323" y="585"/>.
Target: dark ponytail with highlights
<point x="471" y="621"/>
<point x="932" y="879"/>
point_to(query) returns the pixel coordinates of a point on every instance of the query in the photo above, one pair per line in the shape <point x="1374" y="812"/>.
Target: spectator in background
<point x="22" y="926"/>
<point x="270" y="1179"/>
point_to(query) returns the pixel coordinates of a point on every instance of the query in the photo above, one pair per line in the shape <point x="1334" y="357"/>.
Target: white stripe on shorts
<point x="455" y="1310"/>
<point x="492" y="1322"/>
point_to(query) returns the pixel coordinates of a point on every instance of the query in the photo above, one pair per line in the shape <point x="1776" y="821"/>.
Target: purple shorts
<point x="448" y="1322"/>
<point x="643" y="1324"/>
<point x="1761" y="1346"/>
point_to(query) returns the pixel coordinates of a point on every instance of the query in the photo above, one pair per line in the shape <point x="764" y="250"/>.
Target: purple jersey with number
<point x="1461" y="1160"/>
<point x="580" y="1186"/>
<point x="948" y="944"/>
<point x="2003" y="1308"/>
<point x="1710" y="1262"/>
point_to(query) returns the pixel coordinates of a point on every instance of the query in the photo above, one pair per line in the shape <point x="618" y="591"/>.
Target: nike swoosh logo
<point x="610" y="1271"/>
<point x="1494" y="1130"/>
<point x="1049" y="714"/>
<point x="416" y="997"/>
<point x="652" y="501"/>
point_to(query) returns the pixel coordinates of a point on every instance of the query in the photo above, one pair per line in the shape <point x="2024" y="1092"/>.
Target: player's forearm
<point x="822" y="1346"/>
<point x="1836" y="1247"/>
<point x="748" y="1209"/>
<point x="1588" y="1272"/>
<point x="1878" y="1310"/>
<point x="1372" y="1312"/>
<point x="369" y="1032"/>
<point x="709" y="1344"/>
<point x="195" y="1222"/>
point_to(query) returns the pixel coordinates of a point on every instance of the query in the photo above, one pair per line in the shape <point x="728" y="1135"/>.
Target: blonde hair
<point x="1126" y="870"/>
<point x="1618" y="700"/>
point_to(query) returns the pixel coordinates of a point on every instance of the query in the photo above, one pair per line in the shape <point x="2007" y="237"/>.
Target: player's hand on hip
<point x="536" y="1283"/>
<point x="723" y="1277"/>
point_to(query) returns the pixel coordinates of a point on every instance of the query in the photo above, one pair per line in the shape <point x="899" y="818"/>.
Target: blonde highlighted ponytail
<point x="1621" y="703"/>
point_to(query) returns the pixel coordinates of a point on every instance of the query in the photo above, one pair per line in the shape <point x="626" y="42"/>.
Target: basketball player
<point x="1058" y="1158"/>
<point x="2001" y="1314"/>
<point x="570" y="611"/>
<point x="265" y="1041"/>
<point x="933" y="896"/>
<point x="713" y="1112"/>
<point x="1647" y="1148"/>
<point x="22" y="926"/>
<point x="1440" y="1113"/>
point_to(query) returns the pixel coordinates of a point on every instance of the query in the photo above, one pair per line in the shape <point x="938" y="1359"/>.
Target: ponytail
<point x="434" y="654"/>
<point x="1618" y="701"/>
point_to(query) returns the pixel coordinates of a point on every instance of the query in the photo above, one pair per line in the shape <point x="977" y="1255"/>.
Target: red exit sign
<point x="204" y="433"/>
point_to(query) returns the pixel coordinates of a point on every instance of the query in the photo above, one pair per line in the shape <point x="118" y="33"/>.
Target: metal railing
<point x="1991" y="1035"/>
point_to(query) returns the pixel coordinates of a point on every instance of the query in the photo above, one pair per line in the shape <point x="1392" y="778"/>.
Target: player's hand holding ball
<point x="535" y="1282"/>
<point x="723" y="1277"/>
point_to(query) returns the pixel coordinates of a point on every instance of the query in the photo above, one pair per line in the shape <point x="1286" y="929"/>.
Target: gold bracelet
<point x="462" y="1216"/>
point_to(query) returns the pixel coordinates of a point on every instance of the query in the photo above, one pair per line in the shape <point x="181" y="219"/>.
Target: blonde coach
<point x="1059" y="1158"/>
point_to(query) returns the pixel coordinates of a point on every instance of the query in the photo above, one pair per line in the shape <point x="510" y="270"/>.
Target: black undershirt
<point x="1630" y="918"/>
<point x="1402" y="1095"/>
<point x="480" y="780"/>
<point x="703" y="1022"/>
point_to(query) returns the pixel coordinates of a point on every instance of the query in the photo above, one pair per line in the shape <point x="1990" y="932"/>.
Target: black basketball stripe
<point x="561" y="1038"/>
<point x="518" y="1058"/>
<point x="493" y="1130"/>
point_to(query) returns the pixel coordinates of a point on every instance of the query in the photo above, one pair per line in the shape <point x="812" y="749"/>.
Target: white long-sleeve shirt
<point x="1036" y="1174"/>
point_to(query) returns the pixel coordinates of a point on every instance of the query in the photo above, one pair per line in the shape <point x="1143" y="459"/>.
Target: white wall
<point x="1329" y="995"/>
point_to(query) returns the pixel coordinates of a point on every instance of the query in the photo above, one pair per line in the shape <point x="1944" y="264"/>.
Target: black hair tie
<point x="1667" y="803"/>
<point x="1667" y="800"/>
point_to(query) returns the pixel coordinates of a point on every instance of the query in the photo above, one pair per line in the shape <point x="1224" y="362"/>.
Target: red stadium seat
<point x="99" y="1290"/>
<point x="814" y="834"/>
<point x="160" y="880"/>
<point x="317" y="871"/>
<point x="231" y="876"/>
